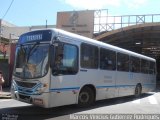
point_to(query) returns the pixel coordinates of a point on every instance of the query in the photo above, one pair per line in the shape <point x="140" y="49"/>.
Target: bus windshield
<point x="31" y="61"/>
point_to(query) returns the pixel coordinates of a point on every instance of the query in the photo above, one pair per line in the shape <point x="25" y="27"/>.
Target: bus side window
<point x="107" y="59"/>
<point x="89" y="56"/>
<point x="66" y="60"/>
<point x="122" y="62"/>
<point x="152" y="69"/>
<point x="144" y="66"/>
<point x="134" y="64"/>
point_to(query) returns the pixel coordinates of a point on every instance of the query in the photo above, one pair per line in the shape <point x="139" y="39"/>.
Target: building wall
<point x="79" y="22"/>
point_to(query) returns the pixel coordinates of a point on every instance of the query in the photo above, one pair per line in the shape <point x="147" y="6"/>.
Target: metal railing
<point x="108" y="23"/>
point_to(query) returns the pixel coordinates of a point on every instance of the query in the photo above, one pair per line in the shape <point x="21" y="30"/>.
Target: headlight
<point x="41" y="88"/>
<point x="13" y="86"/>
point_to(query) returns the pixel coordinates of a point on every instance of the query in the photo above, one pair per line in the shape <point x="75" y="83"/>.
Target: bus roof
<point x="99" y="43"/>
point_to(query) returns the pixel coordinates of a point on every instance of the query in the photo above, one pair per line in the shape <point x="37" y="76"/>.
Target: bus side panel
<point x="124" y="83"/>
<point x="149" y="83"/>
<point x="87" y="77"/>
<point x="102" y="80"/>
<point x="63" y="90"/>
<point x="137" y="79"/>
<point x="144" y="82"/>
<point x="106" y="84"/>
<point x="153" y="82"/>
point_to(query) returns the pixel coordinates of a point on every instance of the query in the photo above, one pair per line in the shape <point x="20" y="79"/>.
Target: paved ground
<point x="147" y="104"/>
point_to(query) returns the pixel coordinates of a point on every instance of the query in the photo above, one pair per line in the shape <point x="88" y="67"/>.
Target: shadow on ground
<point x="37" y="113"/>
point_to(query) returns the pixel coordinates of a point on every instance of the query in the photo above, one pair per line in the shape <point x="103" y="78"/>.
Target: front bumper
<point x="30" y="95"/>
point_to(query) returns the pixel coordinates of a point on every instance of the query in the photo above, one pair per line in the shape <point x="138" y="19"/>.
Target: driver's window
<point x="66" y="59"/>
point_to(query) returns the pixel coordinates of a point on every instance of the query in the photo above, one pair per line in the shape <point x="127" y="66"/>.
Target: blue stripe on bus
<point x="77" y="88"/>
<point x="64" y="89"/>
<point x="105" y="86"/>
<point x="115" y="86"/>
<point x="124" y="85"/>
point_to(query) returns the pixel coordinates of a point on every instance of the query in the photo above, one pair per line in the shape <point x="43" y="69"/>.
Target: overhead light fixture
<point x="138" y="43"/>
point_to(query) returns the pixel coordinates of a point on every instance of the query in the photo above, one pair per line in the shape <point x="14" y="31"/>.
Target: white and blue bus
<point x="54" y="68"/>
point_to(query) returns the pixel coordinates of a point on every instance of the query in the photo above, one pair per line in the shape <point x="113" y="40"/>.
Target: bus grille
<point x="24" y="97"/>
<point x="25" y="84"/>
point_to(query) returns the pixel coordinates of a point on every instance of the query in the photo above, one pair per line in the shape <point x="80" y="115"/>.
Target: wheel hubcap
<point x="84" y="97"/>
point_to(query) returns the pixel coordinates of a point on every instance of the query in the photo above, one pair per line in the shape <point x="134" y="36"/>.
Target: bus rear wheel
<point x="138" y="91"/>
<point x="86" y="97"/>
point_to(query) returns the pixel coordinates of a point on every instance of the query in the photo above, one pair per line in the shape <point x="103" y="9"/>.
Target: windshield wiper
<point x="27" y="53"/>
<point x="31" y="50"/>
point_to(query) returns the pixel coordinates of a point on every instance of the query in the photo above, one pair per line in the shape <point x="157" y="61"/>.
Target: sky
<point x="36" y="12"/>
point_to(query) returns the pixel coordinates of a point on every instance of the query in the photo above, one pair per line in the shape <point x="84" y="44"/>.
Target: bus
<point x="54" y="68"/>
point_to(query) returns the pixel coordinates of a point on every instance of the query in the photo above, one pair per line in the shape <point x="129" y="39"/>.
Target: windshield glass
<point x="31" y="60"/>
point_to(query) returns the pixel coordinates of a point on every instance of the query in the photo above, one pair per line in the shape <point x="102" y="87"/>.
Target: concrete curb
<point x="5" y="96"/>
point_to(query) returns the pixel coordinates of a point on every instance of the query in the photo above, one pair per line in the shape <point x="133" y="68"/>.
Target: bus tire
<point x="86" y="97"/>
<point x="138" y="90"/>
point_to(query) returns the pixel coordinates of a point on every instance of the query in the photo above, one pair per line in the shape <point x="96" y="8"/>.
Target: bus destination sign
<point x="42" y="35"/>
<point x="34" y="37"/>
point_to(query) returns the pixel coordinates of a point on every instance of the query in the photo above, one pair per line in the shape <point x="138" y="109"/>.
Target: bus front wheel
<point x="138" y="90"/>
<point x="86" y="97"/>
